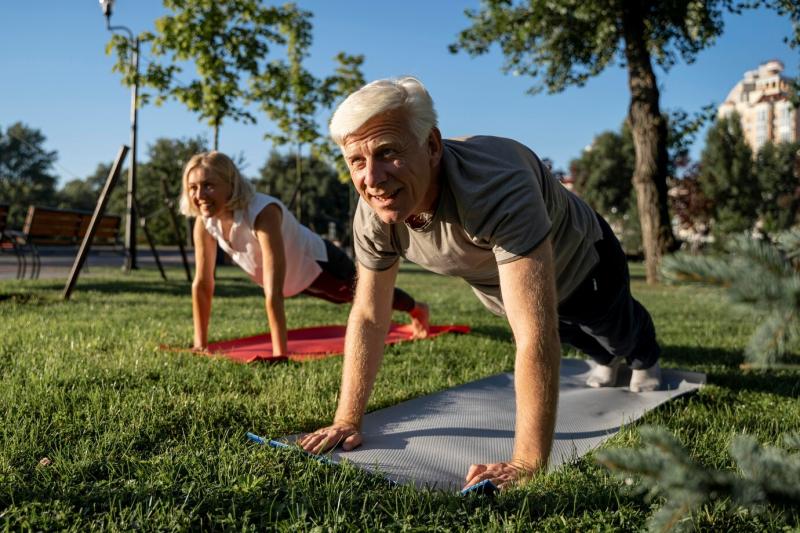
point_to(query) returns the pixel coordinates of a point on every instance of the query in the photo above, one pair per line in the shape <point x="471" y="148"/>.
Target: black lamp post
<point x="130" y="224"/>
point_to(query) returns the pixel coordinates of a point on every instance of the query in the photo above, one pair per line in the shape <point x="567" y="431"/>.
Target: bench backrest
<point x="48" y="226"/>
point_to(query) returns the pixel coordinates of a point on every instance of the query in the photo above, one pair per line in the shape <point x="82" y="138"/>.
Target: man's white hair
<point x="381" y="96"/>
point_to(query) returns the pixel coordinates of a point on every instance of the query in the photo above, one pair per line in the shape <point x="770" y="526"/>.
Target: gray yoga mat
<point x="431" y="441"/>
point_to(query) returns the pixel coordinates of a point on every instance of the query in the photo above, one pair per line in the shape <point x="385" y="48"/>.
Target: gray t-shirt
<point x="497" y="202"/>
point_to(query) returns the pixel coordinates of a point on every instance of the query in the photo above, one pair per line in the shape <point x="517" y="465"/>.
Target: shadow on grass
<point x="228" y="288"/>
<point x="709" y="360"/>
<point x="700" y="356"/>
<point x="780" y="382"/>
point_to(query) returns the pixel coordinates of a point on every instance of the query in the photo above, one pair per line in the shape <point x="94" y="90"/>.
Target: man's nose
<point x="374" y="173"/>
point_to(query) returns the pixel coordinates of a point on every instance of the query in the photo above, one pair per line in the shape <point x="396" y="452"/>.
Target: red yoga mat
<point x="311" y="343"/>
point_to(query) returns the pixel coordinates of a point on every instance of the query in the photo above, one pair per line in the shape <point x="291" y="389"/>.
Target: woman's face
<point x="208" y="193"/>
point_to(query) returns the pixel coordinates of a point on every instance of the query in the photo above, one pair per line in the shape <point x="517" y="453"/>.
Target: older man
<point x="487" y="210"/>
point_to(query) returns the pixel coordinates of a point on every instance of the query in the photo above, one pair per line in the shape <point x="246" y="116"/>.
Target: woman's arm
<point x="205" y="254"/>
<point x="270" y="239"/>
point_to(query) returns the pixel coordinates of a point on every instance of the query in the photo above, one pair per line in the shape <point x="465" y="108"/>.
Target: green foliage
<point x="665" y="469"/>
<point x="25" y="171"/>
<point x="562" y="43"/>
<point x="603" y="172"/>
<point x="224" y="41"/>
<point x="760" y="275"/>
<point x="323" y="197"/>
<point x="726" y="177"/>
<point x="287" y="92"/>
<point x="777" y="169"/>
<point x="166" y="158"/>
<point x="78" y="194"/>
<point x="293" y="97"/>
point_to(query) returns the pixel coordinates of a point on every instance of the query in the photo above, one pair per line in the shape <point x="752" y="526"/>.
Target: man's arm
<point x="273" y="263"/>
<point x="205" y="252"/>
<point x="529" y="296"/>
<point x="363" y="353"/>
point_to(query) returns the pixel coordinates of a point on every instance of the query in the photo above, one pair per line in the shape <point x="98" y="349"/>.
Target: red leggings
<point x="337" y="281"/>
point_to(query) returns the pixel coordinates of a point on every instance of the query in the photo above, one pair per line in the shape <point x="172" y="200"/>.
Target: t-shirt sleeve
<point x="257" y="204"/>
<point x="512" y="216"/>
<point x="372" y="240"/>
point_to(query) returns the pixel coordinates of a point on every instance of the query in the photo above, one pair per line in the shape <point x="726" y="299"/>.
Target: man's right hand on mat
<point x="330" y="437"/>
<point x="500" y="474"/>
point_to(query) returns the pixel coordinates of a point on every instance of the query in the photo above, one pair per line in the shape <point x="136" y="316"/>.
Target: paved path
<point x="57" y="262"/>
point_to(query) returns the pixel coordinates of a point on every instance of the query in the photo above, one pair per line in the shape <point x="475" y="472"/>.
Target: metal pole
<point x="130" y="222"/>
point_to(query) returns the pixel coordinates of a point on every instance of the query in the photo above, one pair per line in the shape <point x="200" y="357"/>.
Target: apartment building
<point x="762" y="100"/>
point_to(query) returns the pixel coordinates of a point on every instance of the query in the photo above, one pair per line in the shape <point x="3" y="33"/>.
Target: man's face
<point x="389" y="168"/>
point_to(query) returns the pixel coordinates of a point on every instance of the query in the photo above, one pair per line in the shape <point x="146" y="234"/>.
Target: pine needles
<point x="766" y="474"/>
<point x="761" y="275"/>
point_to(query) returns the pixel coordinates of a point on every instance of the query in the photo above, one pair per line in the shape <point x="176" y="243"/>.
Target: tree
<point x="777" y="169"/>
<point x="25" y="170"/>
<point x="760" y="275"/>
<point x="224" y="40"/>
<point x="726" y="177"/>
<point x="690" y="207"/>
<point x="324" y="198"/>
<point x="294" y="97"/>
<point x="167" y="158"/>
<point x="766" y="474"/>
<point x="603" y="172"/>
<point x="77" y="194"/>
<point x="565" y="42"/>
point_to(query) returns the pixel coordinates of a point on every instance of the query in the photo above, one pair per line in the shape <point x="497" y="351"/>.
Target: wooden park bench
<point x="45" y="226"/>
<point x="8" y="240"/>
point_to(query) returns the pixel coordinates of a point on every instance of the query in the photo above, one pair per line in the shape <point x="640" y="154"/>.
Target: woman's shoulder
<point x="259" y="202"/>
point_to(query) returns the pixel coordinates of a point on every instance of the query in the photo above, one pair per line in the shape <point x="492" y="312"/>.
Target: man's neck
<point x="424" y="214"/>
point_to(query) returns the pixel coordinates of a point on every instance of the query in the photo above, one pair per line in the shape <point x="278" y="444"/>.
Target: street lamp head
<point x="106" y="5"/>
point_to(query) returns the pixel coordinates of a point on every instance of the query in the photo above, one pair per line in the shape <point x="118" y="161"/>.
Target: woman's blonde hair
<point x="222" y="167"/>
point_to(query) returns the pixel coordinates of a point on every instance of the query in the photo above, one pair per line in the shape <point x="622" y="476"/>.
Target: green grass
<point x="143" y="439"/>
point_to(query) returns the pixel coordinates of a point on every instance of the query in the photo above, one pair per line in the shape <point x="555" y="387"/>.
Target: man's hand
<point x="327" y="438"/>
<point x="500" y="474"/>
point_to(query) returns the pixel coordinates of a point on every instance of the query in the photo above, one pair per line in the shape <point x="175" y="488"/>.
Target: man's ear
<point x="435" y="146"/>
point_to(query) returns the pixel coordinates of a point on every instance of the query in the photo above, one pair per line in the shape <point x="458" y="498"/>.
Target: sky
<point x="56" y="77"/>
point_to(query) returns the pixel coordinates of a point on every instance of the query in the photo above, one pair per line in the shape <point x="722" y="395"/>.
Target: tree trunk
<point x="216" y="137"/>
<point x="650" y="141"/>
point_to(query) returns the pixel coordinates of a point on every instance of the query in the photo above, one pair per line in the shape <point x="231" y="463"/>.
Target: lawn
<point x="101" y="430"/>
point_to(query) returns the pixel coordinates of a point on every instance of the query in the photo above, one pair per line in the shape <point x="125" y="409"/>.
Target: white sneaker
<point x="605" y="375"/>
<point x="648" y="379"/>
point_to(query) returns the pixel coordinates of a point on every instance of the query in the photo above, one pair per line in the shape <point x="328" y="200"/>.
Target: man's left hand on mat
<point x="327" y="438"/>
<point x="502" y="475"/>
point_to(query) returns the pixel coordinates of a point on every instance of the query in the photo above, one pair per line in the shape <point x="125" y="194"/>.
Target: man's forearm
<point x="536" y="376"/>
<point x="363" y="353"/>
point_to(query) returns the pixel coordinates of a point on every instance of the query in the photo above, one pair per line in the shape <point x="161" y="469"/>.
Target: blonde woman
<point x="278" y="253"/>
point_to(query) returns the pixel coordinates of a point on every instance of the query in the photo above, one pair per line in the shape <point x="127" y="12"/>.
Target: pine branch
<point x="759" y="274"/>
<point x="665" y="469"/>
<point x="789" y="242"/>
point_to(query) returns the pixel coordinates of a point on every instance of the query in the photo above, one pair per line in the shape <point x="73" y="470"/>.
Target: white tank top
<point x="303" y="248"/>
